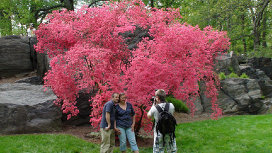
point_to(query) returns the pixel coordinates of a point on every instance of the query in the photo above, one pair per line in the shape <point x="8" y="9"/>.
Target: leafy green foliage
<point x="263" y="52"/>
<point x="233" y="16"/>
<point x="244" y="76"/>
<point x="233" y="75"/>
<point x="17" y="16"/>
<point x="222" y="76"/>
<point x="179" y="105"/>
<point x="230" y="68"/>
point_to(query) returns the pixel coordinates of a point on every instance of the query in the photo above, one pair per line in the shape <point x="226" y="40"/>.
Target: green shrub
<point x="222" y="76"/>
<point x="179" y="105"/>
<point x="233" y="75"/>
<point x="230" y="69"/>
<point x="244" y="76"/>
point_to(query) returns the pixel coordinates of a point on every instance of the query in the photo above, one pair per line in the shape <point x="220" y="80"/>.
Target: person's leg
<point x="158" y="144"/>
<point x="171" y="147"/>
<point x="132" y="140"/>
<point x="105" y="141"/>
<point x="174" y="148"/>
<point x="112" y="140"/>
<point x="122" y="139"/>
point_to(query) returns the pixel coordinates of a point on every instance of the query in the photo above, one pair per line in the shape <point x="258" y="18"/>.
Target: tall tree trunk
<point x="256" y="17"/>
<point x="256" y="33"/>
<point x="243" y="31"/>
<point x="152" y="3"/>
<point x="68" y="4"/>
<point x="264" y="44"/>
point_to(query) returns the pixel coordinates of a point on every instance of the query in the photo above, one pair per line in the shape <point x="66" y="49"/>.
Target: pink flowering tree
<point x="88" y="53"/>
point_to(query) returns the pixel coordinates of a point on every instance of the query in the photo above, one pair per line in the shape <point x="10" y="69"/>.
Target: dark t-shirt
<point x="108" y="107"/>
<point x="124" y="117"/>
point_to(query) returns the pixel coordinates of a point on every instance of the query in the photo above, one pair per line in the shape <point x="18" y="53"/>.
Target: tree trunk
<point x="152" y="3"/>
<point x="243" y="31"/>
<point x="264" y="44"/>
<point x="256" y="38"/>
<point x="69" y="4"/>
<point x="256" y="17"/>
<point x="139" y="123"/>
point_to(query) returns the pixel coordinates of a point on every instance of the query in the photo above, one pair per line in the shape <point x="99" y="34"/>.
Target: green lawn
<point x="237" y="134"/>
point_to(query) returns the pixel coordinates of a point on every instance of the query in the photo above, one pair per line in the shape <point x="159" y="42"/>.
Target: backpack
<point x="166" y="123"/>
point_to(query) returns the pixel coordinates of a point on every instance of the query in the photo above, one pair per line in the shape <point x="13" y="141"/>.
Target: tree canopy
<point x="18" y="15"/>
<point x="89" y="54"/>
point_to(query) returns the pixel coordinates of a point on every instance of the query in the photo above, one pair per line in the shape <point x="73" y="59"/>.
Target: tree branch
<point x="49" y="8"/>
<point x="259" y="15"/>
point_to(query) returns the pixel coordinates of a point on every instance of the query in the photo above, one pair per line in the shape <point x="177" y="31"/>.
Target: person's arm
<point x="108" y="120"/>
<point x="172" y="109"/>
<point x="150" y="112"/>
<point x="116" y="129"/>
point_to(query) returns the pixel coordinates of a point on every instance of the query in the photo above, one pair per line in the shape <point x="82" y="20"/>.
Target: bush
<point x="233" y="75"/>
<point x="179" y="105"/>
<point x="244" y="76"/>
<point x="231" y="69"/>
<point x="222" y="76"/>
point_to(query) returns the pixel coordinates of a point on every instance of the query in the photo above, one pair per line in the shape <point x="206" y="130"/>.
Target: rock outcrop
<point x="14" y="56"/>
<point x="239" y="96"/>
<point x="26" y="108"/>
<point x="17" y="55"/>
<point x="227" y="63"/>
<point x="262" y="63"/>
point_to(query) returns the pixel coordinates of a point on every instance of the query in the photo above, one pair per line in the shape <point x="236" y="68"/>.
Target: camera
<point x="153" y="100"/>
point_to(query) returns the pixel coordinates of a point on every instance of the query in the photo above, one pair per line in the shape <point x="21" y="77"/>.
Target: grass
<point x="239" y="134"/>
<point x="236" y="134"/>
<point x="45" y="143"/>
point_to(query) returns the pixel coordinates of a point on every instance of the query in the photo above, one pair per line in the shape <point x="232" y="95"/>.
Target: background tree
<point x="257" y="14"/>
<point x="18" y="15"/>
<point x="243" y="19"/>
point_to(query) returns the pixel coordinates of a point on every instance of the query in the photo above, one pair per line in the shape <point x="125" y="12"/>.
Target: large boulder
<point x="262" y="63"/>
<point x="198" y="106"/>
<point x="33" y="54"/>
<point x="260" y="76"/>
<point x="240" y="96"/>
<point x="18" y="55"/>
<point x="42" y="64"/>
<point x="14" y="56"/>
<point x="27" y="108"/>
<point x="227" y="63"/>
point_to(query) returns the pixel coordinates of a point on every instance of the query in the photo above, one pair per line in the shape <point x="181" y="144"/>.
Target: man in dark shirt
<point x="107" y="125"/>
